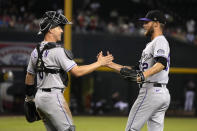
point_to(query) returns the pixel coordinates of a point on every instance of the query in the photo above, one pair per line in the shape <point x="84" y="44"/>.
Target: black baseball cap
<point x="154" y="15"/>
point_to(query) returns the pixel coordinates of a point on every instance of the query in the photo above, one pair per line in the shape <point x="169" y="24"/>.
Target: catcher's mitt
<point x="132" y="75"/>
<point x="31" y="113"/>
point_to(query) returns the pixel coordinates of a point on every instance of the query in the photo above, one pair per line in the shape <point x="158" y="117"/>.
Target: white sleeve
<point x="161" y="48"/>
<point x="32" y="62"/>
<point x="64" y="62"/>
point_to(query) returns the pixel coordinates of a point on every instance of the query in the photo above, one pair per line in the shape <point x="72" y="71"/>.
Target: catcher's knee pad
<point x="71" y="128"/>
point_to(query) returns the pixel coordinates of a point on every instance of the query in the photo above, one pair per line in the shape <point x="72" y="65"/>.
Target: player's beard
<point x="149" y="32"/>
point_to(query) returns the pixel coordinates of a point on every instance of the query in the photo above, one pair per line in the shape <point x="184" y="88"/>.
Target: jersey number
<point x="144" y="66"/>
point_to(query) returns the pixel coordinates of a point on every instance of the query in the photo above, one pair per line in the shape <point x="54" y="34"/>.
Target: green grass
<point x="95" y="124"/>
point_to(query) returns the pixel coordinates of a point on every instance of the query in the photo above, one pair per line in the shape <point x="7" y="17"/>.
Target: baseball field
<point x="83" y="123"/>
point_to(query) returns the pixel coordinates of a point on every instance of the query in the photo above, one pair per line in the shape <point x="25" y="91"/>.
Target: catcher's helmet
<point x="52" y="19"/>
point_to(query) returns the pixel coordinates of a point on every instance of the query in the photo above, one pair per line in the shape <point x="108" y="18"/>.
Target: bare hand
<point x="109" y="64"/>
<point x="104" y="60"/>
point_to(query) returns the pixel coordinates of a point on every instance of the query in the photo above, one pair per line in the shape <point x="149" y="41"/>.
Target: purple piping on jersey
<point x="138" y="109"/>
<point x="63" y="109"/>
<point x="71" y="67"/>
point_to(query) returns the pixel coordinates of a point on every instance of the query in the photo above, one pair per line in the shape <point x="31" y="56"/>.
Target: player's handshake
<point x="104" y="60"/>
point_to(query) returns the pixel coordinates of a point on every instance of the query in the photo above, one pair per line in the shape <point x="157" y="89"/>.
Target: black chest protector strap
<point x="40" y="67"/>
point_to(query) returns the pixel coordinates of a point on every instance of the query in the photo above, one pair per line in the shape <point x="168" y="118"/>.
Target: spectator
<point x="189" y="95"/>
<point x="190" y="30"/>
<point x="95" y="6"/>
<point x="111" y="27"/>
<point x="6" y="100"/>
<point x="118" y="103"/>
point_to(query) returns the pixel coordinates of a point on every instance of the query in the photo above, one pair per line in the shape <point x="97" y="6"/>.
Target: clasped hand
<point x="104" y="60"/>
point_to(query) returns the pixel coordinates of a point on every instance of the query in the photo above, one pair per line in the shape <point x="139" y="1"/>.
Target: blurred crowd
<point x="15" y="15"/>
<point x="96" y="16"/>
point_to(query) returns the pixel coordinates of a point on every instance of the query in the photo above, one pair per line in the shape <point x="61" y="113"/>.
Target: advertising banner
<point x="15" y="54"/>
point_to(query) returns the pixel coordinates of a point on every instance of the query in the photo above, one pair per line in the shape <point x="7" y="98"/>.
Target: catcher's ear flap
<point x="31" y="114"/>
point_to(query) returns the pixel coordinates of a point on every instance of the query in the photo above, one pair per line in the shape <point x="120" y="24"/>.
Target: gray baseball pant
<point x="51" y="107"/>
<point x="150" y="106"/>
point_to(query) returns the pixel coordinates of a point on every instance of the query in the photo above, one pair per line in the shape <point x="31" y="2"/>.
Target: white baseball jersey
<point x="54" y="58"/>
<point x="158" y="47"/>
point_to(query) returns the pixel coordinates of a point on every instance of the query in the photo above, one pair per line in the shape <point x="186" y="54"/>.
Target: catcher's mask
<point x="52" y="19"/>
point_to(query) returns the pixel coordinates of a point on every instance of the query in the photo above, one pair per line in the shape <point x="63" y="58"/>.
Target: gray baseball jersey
<point x="51" y="104"/>
<point x="54" y="59"/>
<point x="153" y="99"/>
<point x="158" y="47"/>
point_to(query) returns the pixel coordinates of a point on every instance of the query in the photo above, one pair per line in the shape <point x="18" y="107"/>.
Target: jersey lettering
<point x="46" y="53"/>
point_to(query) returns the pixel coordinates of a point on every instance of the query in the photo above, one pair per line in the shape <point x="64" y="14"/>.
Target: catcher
<point x="50" y="63"/>
<point x="152" y="76"/>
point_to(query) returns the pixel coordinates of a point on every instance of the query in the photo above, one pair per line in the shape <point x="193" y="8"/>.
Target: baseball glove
<point x="31" y="113"/>
<point x="132" y="75"/>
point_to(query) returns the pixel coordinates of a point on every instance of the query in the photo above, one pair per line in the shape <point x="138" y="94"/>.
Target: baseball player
<point x="48" y="62"/>
<point x="152" y="75"/>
